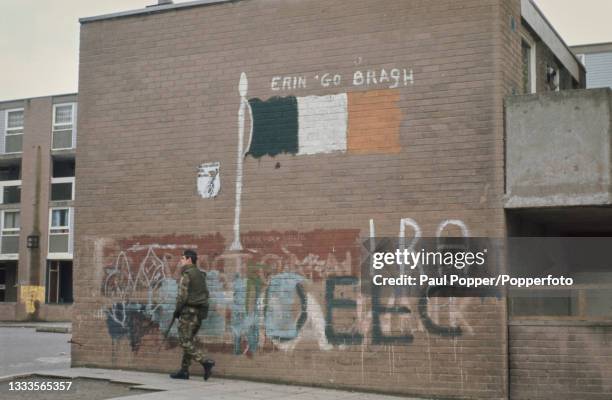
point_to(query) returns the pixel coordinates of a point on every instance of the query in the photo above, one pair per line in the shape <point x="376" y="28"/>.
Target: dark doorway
<point x="59" y="282"/>
<point x="8" y="277"/>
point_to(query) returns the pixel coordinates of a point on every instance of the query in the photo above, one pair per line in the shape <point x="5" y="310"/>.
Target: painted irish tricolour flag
<point x="355" y="123"/>
<point x="358" y="123"/>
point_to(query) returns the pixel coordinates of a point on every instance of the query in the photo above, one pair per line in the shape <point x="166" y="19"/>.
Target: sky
<point x="39" y="39"/>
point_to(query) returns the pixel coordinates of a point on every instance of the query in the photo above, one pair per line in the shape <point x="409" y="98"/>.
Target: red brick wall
<point x="159" y="95"/>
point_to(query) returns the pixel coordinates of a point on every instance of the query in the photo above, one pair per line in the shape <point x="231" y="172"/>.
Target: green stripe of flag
<point x="275" y="126"/>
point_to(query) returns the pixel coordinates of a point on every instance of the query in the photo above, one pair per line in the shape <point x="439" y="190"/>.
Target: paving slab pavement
<point x="51" y="327"/>
<point x="213" y="389"/>
<point x="23" y="349"/>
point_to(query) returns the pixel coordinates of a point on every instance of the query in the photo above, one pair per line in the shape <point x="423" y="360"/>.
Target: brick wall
<point x="560" y="360"/>
<point x="36" y="150"/>
<point x="159" y="95"/>
<point x="7" y="311"/>
<point x="55" y="312"/>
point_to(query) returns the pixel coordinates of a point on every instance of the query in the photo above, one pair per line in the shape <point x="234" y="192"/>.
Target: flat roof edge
<point x="592" y="44"/>
<point x="592" y="48"/>
<point x="39" y="97"/>
<point x="153" y="9"/>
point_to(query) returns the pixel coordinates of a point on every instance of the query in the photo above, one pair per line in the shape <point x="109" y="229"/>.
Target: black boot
<point x="180" y="374"/>
<point x="208" y="365"/>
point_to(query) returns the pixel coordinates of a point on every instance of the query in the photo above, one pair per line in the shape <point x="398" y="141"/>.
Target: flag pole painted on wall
<point x="243" y="87"/>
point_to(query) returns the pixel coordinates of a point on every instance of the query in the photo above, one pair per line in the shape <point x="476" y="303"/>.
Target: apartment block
<point x="597" y="58"/>
<point x="37" y="181"/>
<point x="276" y="136"/>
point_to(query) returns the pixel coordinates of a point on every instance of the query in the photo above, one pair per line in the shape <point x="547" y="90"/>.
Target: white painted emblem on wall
<point x="209" y="181"/>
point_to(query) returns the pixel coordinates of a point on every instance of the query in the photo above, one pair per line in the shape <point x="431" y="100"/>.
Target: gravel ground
<point x="81" y="388"/>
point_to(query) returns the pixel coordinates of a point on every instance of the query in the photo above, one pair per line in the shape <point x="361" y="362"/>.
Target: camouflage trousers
<point x="188" y="325"/>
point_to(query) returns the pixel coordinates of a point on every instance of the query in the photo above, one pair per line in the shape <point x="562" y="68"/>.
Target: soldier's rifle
<point x="167" y="332"/>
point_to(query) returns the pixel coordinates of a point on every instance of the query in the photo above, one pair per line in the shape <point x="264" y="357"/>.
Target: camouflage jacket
<point x="192" y="290"/>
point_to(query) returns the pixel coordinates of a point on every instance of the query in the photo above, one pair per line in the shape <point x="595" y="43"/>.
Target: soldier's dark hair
<point x="192" y="255"/>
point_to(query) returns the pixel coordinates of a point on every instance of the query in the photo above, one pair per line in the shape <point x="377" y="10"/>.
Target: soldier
<point x="191" y="309"/>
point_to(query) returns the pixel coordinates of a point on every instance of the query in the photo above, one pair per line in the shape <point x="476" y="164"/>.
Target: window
<point x="8" y="273"/>
<point x="62" y="182"/>
<point x="11" y="225"/>
<point x="64" y="126"/>
<point x="10" y="185"/>
<point x="12" y="173"/>
<point x="63" y="168"/>
<point x="13" y="138"/>
<point x="60" y="232"/>
<point x="59" y="220"/>
<point x="529" y="80"/>
<point x="59" y="282"/>
<point x="552" y="77"/>
<point x="62" y="189"/>
<point x="11" y="192"/>
<point x="11" y="222"/>
<point x="2" y="285"/>
<point x="582" y="255"/>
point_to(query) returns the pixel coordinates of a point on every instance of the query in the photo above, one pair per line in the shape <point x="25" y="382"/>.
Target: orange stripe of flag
<point x="374" y="120"/>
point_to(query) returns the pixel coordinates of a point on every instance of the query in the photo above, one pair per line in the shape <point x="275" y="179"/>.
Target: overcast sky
<point x="39" y="39"/>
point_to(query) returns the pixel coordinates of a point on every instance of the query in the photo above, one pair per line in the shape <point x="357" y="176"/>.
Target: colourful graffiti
<point x="283" y="289"/>
<point x="143" y="285"/>
<point x="247" y="290"/>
